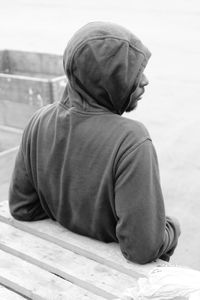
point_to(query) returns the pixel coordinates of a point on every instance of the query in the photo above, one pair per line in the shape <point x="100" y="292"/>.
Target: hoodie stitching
<point x="97" y="37"/>
<point x="92" y="112"/>
<point x="131" y="150"/>
<point x="101" y="38"/>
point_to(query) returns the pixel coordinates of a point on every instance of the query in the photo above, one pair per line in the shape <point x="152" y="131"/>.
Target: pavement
<point x="170" y="108"/>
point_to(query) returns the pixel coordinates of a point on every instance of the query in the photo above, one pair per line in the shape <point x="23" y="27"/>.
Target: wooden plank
<point x="9" y="141"/>
<point x="35" y="283"/>
<point x="4" y="61"/>
<point x="9" y="137"/>
<point x="84" y="272"/>
<point x="4" y="191"/>
<point x="6" y="294"/>
<point x="107" y="254"/>
<point x="57" y="86"/>
<point x="7" y="160"/>
<point x="16" y="114"/>
<point x="23" y="90"/>
<point x="35" y="62"/>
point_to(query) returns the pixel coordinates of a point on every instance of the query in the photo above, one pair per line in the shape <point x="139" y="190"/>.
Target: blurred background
<point x="170" y="108"/>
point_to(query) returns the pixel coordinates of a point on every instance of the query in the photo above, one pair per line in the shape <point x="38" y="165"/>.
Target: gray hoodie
<point x="84" y="165"/>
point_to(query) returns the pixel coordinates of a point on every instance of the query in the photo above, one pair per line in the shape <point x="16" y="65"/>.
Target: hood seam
<point x="85" y="112"/>
<point x="100" y="38"/>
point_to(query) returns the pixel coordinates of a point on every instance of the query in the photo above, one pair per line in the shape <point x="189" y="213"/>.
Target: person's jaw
<point x="135" y="97"/>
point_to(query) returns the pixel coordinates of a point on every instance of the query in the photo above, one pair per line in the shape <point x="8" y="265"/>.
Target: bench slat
<point x="6" y="294"/>
<point x="35" y="283"/>
<point x="86" y="273"/>
<point x="108" y="254"/>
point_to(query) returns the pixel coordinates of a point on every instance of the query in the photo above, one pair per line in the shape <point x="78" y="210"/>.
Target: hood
<point x="103" y="63"/>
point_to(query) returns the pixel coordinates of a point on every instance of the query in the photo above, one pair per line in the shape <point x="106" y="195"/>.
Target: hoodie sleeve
<point x="24" y="203"/>
<point x="143" y="230"/>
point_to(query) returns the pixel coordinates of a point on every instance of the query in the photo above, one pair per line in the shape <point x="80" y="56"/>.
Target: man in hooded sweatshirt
<point x="84" y="165"/>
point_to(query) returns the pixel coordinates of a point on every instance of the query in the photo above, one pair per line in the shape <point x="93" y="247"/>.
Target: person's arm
<point x="24" y="203"/>
<point x="143" y="230"/>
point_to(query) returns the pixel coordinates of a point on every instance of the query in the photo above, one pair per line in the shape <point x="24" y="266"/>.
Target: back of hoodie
<point x="84" y="165"/>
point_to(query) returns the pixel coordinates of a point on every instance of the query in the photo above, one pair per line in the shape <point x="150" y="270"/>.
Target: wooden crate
<point x="27" y="82"/>
<point x="9" y="143"/>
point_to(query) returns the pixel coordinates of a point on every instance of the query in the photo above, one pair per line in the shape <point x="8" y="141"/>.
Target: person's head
<point x="104" y="63"/>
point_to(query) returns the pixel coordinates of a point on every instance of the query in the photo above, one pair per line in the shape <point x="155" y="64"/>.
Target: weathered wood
<point x="6" y="294"/>
<point x="13" y="61"/>
<point x="4" y="62"/>
<point x="9" y="141"/>
<point x="84" y="272"/>
<point x="30" y="77"/>
<point x="7" y="159"/>
<point x="9" y="138"/>
<point x="107" y="254"/>
<point x="11" y="113"/>
<point x="24" y="89"/>
<point x="35" y="283"/>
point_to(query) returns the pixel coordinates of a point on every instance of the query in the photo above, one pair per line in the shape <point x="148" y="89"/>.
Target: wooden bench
<point x="42" y="260"/>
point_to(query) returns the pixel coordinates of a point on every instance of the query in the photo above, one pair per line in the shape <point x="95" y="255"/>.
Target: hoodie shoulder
<point x="133" y="128"/>
<point x="126" y="134"/>
<point x="137" y="126"/>
<point x="35" y="122"/>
